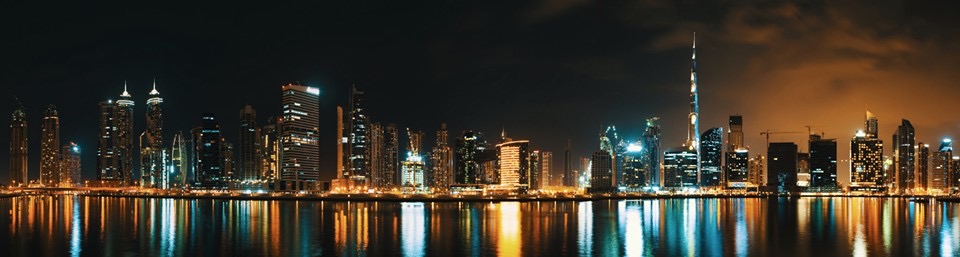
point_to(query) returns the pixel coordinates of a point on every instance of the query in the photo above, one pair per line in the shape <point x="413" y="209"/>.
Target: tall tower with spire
<point x="123" y="120"/>
<point x="152" y="164"/>
<point x="693" y="128"/>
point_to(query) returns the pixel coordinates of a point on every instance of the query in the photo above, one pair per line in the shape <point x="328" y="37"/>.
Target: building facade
<point x="211" y="173"/>
<point x="299" y="137"/>
<point x="152" y="153"/>
<point x="50" y="148"/>
<point x="70" y="165"/>
<point x="18" y="148"/>
<point x="782" y="167"/>
<point x="680" y="168"/>
<point x="823" y="163"/>
<point x="711" y="157"/>
<point x="441" y="160"/>
<point x="249" y="146"/>
<point x="904" y="154"/>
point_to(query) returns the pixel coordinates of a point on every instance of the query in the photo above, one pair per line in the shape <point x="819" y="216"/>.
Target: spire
<point x="154" y="91"/>
<point x="693" y="127"/>
<point x="125" y="93"/>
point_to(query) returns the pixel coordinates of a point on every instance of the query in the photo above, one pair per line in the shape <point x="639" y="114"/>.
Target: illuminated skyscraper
<point x="602" y="179"/>
<point x="650" y="152"/>
<point x="904" y="157"/>
<point x="693" y="128"/>
<point x="782" y="167"/>
<point x="470" y="148"/>
<point x="18" y="147"/>
<point x="123" y="124"/>
<point x="249" y="158"/>
<point x="711" y="154"/>
<point x="376" y="155"/>
<point x="736" y="157"/>
<point x="70" y="165"/>
<point x="229" y="161"/>
<point x="152" y="159"/>
<point x="412" y="172"/>
<point x="299" y="135"/>
<point x="270" y="150"/>
<point x="441" y="160"/>
<point x="922" y="166"/>
<point x="391" y="157"/>
<point x="359" y="145"/>
<point x="50" y="148"/>
<point x="513" y="164"/>
<point x="866" y="158"/>
<point x="634" y="174"/>
<point x="179" y="161"/>
<point x="941" y="167"/>
<point x="546" y="169"/>
<point x="535" y="165"/>
<point x="680" y="168"/>
<point x="210" y="173"/>
<point x="342" y="162"/>
<point x="823" y="163"/>
<point x="755" y="171"/>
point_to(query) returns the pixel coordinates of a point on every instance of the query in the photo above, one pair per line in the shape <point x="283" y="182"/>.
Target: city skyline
<point x="841" y="91"/>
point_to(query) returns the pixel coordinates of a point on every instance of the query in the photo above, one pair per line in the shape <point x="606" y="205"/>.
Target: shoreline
<point x="449" y="198"/>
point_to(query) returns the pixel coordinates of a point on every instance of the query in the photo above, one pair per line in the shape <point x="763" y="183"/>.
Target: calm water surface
<point x="106" y="226"/>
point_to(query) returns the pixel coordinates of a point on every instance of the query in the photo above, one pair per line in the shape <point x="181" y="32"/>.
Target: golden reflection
<point x="509" y="239"/>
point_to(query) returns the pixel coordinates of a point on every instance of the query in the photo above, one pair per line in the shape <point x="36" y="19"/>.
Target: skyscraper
<point x="823" y="163"/>
<point x="922" y="167"/>
<point x="513" y="164"/>
<point x="123" y="123"/>
<point x="736" y="157"/>
<point x="471" y="148"/>
<point x="18" y="147"/>
<point x="376" y="155"/>
<point x="650" y="152"/>
<point x="535" y="165"/>
<point x="711" y="154"/>
<point x="634" y="174"/>
<point x="211" y="173"/>
<point x="359" y="145"/>
<point x="546" y="169"/>
<point x="69" y="165"/>
<point x="179" y="161"/>
<point x="249" y="148"/>
<point x="782" y="167"/>
<point x="412" y="173"/>
<point x="229" y="161"/>
<point x="108" y="162"/>
<point x="601" y="173"/>
<point x="50" y="148"/>
<point x="904" y="156"/>
<point x="693" y="128"/>
<point x="152" y="160"/>
<point x="391" y="157"/>
<point x="270" y="150"/>
<point x="342" y="162"/>
<point x="866" y="158"/>
<point x="755" y="171"/>
<point x="941" y="167"/>
<point x="299" y="135"/>
<point x="441" y="159"/>
<point x="680" y="168"/>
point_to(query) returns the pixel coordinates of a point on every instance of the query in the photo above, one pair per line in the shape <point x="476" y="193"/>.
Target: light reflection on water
<point x="96" y="226"/>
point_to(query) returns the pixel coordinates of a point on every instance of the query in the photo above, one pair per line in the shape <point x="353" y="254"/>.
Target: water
<point x="105" y="226"/>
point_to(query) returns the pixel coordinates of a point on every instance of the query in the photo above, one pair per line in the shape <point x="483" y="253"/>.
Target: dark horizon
<point x="545" y="71"/>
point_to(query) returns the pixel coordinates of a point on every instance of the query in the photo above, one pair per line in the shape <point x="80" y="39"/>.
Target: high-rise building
<point x="249" y="158"/>
<point x="441" y="160"/>
<point x="270" y="151"/>
<point x="823" y="163"/>
<point x="546" y="169"/>
<point x="601" y="173"/>
<point x="650" y="152"/>
<point x="513" y="164"/>
<point x="70" y="165"/>
<point x="782" y="167"/>
<point x="866" y="162"/>
<point x="152" y="153"/>
<point x="123" y="123"/>
<point x="108" y="162"/>
<point x="50" y="148"/>
<point x="535" y="165"/>
<point x="693" y="128"/>
<point x="755" y="171"/>
<point x="940" y="167"/>
<point x="211" y="173"/>
<point x="634" y="174"/>
<point x="18" y="147"/>
<point x="922" y="166"/>
<point x="179" y="161"/>
<point x="358" y="142"/>
<point x="412" y="172"/>
<point x="115" y="142"/>
<point x="299" y="135"/>
<point x="569" y="179"/>
<point x="711" y="154"/>
<point x="736" y="157"/>
<point x="342" y="144"/>
<point x="472" y="152"/>
<point x="389" y="174"/>
<point x="229" y="161"/>
<point x="904" y="157"/>
<point x="376" y="155"/>
<point x="680" y="168"/>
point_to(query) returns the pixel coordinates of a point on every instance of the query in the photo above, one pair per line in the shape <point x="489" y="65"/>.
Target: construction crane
<point x="768" y="133"/>
<point x="810" y="129"/>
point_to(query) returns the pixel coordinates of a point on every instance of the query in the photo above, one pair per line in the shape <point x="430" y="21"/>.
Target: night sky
<point x="543" y="70"/>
